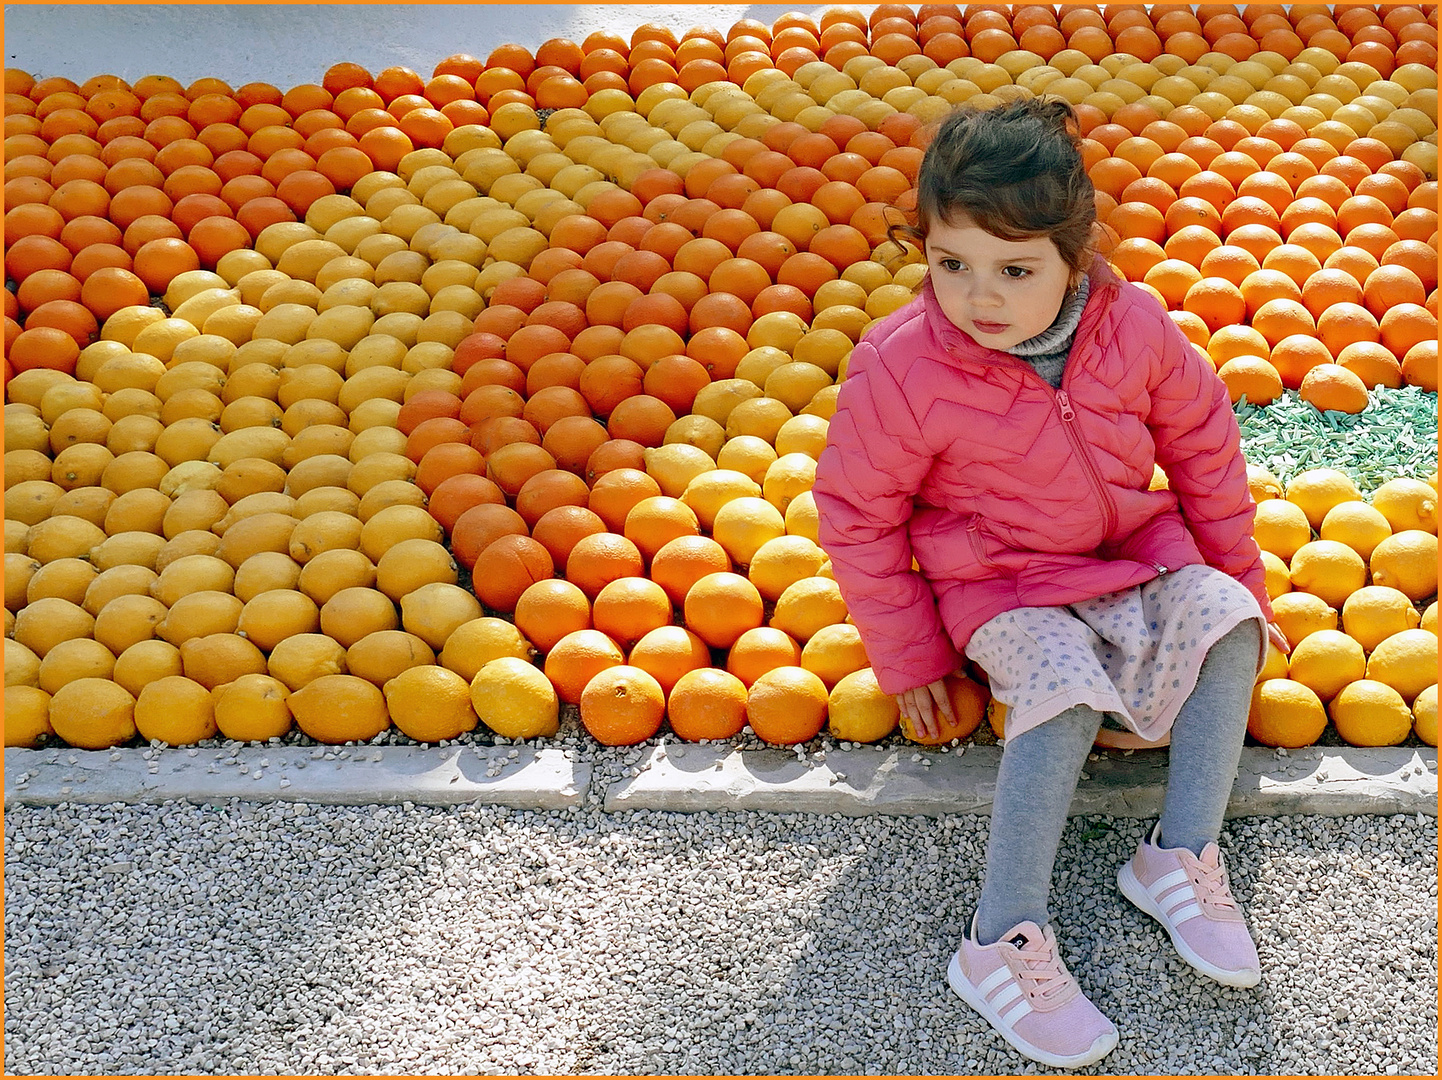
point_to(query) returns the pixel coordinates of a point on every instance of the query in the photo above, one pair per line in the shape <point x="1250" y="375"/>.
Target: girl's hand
<point x="920" y="706"/>
<point x="1279" y="639"/>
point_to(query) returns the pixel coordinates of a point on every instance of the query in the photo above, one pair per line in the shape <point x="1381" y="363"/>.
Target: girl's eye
<point x="952" y="265"/>
<point x="1016" y="271"/>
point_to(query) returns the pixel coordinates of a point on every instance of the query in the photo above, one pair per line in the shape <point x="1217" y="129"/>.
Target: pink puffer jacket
<point x="1008" y="493"/>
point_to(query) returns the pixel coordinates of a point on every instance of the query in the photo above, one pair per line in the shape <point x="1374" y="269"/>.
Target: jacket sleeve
<point x="873" y="465"/>
<point x="1199" y="446"/>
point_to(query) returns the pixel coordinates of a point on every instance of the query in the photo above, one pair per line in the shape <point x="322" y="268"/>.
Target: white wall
<point x="288" y="44"/>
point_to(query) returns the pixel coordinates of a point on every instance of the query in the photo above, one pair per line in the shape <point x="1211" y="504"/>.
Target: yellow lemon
<point x="514" y="699"/>
<point x="707" y="492"/>
<point x="1359" y="526"/>
<point x="833" y="652"/>
<point x="474" y="644"/>
<point x="430" y="703"/>
<point x="253" y="708"/>
<point x="1302" y="613"/>
<point x="1328" y="569"/>
<point x="747" y="454"/>
<point x="1370" y="713"/>
<point x="858" y="710"/>
<point x="742" y="525"/>
<point x="27" y="716"/>
<point x="176" y="710"/>
<point x="787" y="477"/>
<point x="339" y="709"/>
<point x="1407" y="662"/>
<point x="1327" y="661"/>
<point x="1318" y="490"/>
<point x="1376" y="612"/>
<point x="1285" y="713"/>
<point x="781" y="562"/>
<point x="93" y="714"/>
<point x="1407" y="561"/>
<point x="1407" y="504"/>
<point x="1424" y="714"/>
<point x="1281" y="527"/>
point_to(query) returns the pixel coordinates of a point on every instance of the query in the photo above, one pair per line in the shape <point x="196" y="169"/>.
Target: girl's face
<point x="1001" y="292"/>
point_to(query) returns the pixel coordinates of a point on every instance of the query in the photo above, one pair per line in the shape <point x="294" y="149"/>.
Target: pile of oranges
<point x="431" y="402"/>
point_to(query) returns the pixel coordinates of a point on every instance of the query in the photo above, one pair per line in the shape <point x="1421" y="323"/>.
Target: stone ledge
<point x="437" y="776"/>
<point x="1323" y="781"/>
<point x="1328" y="782"/>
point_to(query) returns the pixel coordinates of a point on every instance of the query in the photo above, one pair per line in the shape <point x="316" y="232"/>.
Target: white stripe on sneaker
<point x="1181" y="915"/>
<point x="1009" y="993"/>
<point x="1167" y="881"/>
<point x="1016" y="1012"/>
<point x="992" y="981"/>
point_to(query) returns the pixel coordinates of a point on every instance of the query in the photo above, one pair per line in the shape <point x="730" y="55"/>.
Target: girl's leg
<point x="1207" y="742"/>
<point x="1034" y="787"/>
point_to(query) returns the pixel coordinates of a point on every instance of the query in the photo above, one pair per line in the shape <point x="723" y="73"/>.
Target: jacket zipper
<point x="1068" y="418"/>
<point x="973" y="533"/>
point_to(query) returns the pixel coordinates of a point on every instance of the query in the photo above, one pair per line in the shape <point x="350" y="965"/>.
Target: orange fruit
<point x="621" y="705"/>
<point x="656" y="520"/>
<point x="507" y="567"/>
<point x="629" y="608"/>
<point x="786" y="706"/>
<point x="707" y="703"/>
<point x="720" y="607"/>
<point x="759" y="650"/>
<point x="601" y="558"/>
<point x="576" y="658"/>
<point x="549" y="610"/>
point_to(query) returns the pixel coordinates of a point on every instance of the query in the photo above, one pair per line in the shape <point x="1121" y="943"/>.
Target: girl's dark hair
<point x="1015" y="170"/>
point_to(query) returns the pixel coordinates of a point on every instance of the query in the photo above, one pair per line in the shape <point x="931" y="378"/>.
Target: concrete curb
<point x="898" y="780"/>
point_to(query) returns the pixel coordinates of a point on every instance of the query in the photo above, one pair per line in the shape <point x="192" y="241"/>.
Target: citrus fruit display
<point x="396" y="405"/>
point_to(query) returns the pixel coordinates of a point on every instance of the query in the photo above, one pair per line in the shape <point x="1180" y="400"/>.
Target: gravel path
<point x="293" y="938"/>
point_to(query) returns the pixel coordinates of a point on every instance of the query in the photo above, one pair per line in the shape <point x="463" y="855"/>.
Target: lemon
<point x="675" y="465"/>
<point x="1326" y="662"/>
<point x="27" y="716"/>
<point x="176" y="710"/>
<point x="707" y="492"/>
<point x="340" y="708"/>
<point x="430" y="703"/>
<point x="216" y="659"/>
<point x="858" y="710"/>
<point x="1262" y="484"/>
<point x="744" y="524"/>
<point x="1318" y="490"/>
<point x="434" y="611"/>
<point x="1370" y="713"/>
<point x="1424" y="713"/>
<point x="804" y="433"/>
<point x="93" y="714"/>
<point x="1328" y="569"/>
<point x="78" y="658"/>
<point x="300" y="660"/>
<point x="1407" y="504"/>
<point x="253" y="708"/>
<point x="144" y="662"/>
<point x="1407" y="662"/>
<point x="759" y="416"/>
<point x="1281" y="527"/>
<point x="781" y="562"/>
<point x="1429" y="617"/>
<point x="787" y="477"/>
<point x="1302" y="613"/>
<point x="1407" y="561"/>
<point x="1278" y="577"/>
<point x="747" y="454"/>
<point x="1359" y="526"/>
<point x="1285" y="713"/>
<point x="1376" y="612"/>
<point x="514" y="699"/>
<point x="1276" y="664"/>
<point x="833" y="652"/>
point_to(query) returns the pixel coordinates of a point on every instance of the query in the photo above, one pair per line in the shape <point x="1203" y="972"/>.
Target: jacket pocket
<point x="974" y="526"/>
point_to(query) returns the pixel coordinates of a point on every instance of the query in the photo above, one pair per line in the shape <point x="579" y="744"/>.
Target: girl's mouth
<point x="989" y="327"/>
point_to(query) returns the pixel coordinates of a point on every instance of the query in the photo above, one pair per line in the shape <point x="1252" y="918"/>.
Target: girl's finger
<point x="943" y="700"/>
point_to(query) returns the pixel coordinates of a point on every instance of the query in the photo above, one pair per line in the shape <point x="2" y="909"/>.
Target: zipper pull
<point x="1064" y="404"/>
<point x="1162" y="569"/>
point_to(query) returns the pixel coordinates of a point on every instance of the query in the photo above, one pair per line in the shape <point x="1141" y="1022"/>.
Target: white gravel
<point x="294" y="938"/>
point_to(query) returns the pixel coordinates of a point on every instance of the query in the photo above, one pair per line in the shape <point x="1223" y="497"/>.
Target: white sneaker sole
<point x="1103" y="1045"/>
<point x="1132" y="889"/>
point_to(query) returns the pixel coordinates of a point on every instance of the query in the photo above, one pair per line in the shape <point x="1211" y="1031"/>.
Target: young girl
<point x="984" y="491"/>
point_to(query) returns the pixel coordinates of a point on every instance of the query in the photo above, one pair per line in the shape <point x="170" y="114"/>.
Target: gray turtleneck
<point x="1047" y="351"/>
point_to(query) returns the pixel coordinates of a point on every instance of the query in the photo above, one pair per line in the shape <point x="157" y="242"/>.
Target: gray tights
<point x="1040" y="769"/>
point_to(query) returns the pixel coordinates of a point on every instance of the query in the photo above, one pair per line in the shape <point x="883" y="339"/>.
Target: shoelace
<point x="1213" y="889"/>
<point x="1042" y="974"/>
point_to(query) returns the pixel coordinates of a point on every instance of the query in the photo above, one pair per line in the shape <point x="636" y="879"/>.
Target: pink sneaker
<point x="1023" y="989"/>
<point x="1192" y="899"/>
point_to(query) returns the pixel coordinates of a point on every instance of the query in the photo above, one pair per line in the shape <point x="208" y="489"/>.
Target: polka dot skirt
<point x="1132" y="655"/>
